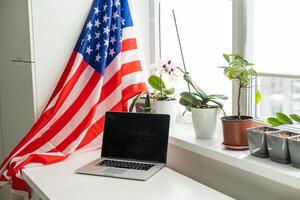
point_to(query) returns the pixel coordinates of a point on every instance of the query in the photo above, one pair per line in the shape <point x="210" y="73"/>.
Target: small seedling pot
<point x="278" y="146"/>
<point x="257" y="140"/>
<point x="294" y="148"/>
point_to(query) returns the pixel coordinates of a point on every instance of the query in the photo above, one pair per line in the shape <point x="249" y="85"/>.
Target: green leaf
<point x="257" y="97"/>
<point x="274" y="121"/>
<point x="219" y="104"/>
<point x="169" y="91"/>
<point x="218" y="96"/>
<point x="194" y="102"/>
<point x="195" y="86"/>
<point x="156" y="82"/>
<point x="283" y="118"/>
<point x="134" y="102"/>
<point x="226" y="57"/>
<point x="295" y="117"/>
<point x="184" y="102"/>
<point x="249" y="64"/>
<point x="147" y="104"/>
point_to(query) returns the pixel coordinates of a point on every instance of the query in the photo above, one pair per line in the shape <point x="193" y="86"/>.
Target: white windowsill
<point x="182" y="135"/>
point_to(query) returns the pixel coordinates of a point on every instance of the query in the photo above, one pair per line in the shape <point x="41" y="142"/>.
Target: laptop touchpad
<point x="112" y="171"/>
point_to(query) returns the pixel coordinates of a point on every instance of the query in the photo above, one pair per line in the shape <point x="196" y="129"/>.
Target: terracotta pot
<point x="235" y="131"/>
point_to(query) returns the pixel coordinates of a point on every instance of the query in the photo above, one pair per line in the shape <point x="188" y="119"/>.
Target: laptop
<point x="134" y="146"/>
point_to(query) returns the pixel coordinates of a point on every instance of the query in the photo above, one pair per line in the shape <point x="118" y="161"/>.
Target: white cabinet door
<point x="16" y="87"/>
<point x="16" y="84"/>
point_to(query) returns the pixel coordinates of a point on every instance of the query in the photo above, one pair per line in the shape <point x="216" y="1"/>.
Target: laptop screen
<point x="136" y="136"/>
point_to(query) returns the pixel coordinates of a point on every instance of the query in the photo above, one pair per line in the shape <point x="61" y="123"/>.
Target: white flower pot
<point x="167" y="107"/>
<point x="204" y="122"/>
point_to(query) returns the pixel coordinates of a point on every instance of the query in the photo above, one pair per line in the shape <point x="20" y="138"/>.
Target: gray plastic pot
<point x="278" y="146"/>
<point x="294" y="148"/>
<point x="257" y="140"/>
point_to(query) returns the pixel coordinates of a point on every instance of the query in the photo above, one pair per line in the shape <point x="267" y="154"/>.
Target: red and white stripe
<point x="73" y="119"/>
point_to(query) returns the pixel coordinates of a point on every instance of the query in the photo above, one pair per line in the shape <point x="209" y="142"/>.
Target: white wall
<point x="141" y="16"/>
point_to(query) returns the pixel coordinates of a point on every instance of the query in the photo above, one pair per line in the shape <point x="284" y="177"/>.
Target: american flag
<point x="103" y="72"/>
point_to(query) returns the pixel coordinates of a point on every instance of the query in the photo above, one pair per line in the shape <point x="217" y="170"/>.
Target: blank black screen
<point x="136" y="136"/>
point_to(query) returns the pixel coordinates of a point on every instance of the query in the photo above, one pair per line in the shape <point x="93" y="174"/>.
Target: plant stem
<point x="239" y="100"/>
<point x="181" y="51"/>
<point x="160" y="86"/>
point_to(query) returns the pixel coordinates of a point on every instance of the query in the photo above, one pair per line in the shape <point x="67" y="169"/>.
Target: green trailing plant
<point x="198" y="98"/>
<point x="240" y="70"/>
<point x="146" y="104"/>
<point x="281" y="119"/>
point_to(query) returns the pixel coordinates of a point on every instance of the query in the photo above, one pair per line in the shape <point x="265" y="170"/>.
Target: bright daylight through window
<point x="276" y="55"/>
<point x="205" y="29"/>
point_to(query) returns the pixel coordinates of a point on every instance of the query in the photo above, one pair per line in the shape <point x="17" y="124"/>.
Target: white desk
<point x="59" y="182"/>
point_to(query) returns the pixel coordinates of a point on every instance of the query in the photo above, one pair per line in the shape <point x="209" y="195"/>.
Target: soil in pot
<point x="235" y="131"/>
<point x="278" y="146"/>
<point x="258" y="142"/>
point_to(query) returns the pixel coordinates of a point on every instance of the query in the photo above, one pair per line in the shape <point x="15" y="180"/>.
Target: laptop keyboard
<point x="125" y="164"/>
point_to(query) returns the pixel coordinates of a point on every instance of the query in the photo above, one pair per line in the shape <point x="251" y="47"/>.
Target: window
<point x="205" y="28"/>
<point x="266" y="32"/>
<point x="276" y="48"/>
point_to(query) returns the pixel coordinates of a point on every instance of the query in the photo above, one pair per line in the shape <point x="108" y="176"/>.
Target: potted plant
<point x="204" y="108"/>
<point x="278" y="146"/>
<point x="161" y="99"/>
<point x="293" y="141"/>
<point x="294" y="148"/>
<point x="142" y="103"/>
<point x="258" y="142"/>
<point x="235" y="127"/>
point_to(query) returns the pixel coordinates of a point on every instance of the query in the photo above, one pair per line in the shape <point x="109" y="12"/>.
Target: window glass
<point x="276" y="49"/>
<point x="277" y="36"/>
<point x="278" y="95"/>
<point x="205" y="28"/>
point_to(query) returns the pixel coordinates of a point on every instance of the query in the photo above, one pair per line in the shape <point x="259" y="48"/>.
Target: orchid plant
<point x="162" y="72"/>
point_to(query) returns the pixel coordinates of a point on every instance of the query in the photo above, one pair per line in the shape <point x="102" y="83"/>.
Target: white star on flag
<point x="89" y="37"/>
<point x="98" y="46"/>
<point x="97" y="23"/>
<point x="98" y="57"/>
<point x="106" y="42"/>
<point x="104" y="7"/>
<point x="114" y="27"/>
<point x="115" y="15"/>
<point x="117" y="3"/>
<point x="89" y="25"/>
<point x="97" y="35"/>
<point x="123" y="22"/>
<point x="105" y="18"/>
<point x="96" y="10"/>
<point x="89" y="50"/>
<point x="111" y="52"/>
<point x="113" y="40"/>
<point x="106" y="30"/>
